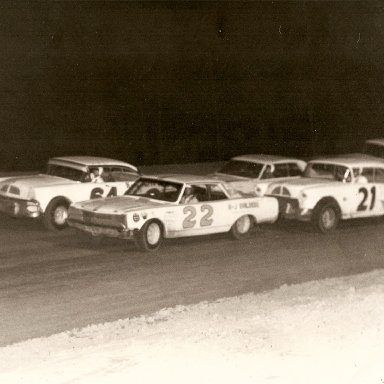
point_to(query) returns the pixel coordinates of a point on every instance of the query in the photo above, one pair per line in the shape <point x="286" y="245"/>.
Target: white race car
<point x="172" y="206"/>
<point x="66" y="180"/>
<point x="254" y="173"/>
<point x="333" y="189"/>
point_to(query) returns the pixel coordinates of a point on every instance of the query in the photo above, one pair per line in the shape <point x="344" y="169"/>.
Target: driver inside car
<point x="189" y="196"/>
<point x="96" y="176"/>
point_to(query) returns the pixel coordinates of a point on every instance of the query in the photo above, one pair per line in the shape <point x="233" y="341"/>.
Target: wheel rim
<point x="243" y="224"/>
<point x="328" y="218"/>
<point x="153" y="234"/>
<point x="60" y="215"/>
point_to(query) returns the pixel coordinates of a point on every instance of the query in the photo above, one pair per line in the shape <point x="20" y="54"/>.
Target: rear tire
<point x="150" y="236"/>
<point x="56" y="214"/>
<point x="242" y="227"/>
<point x="326" y="216"/>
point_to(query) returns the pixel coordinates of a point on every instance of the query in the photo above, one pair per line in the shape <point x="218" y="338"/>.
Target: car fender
<point x="327" y="200"/>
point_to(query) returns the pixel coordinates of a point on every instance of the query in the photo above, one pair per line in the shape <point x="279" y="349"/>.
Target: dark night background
<point x="173" y="82"/>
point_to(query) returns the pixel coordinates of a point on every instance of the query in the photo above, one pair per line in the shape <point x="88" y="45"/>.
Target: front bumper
<point x="289" y="208"/>
<point x="19" y="207"/>
<point x="101" y="230"/>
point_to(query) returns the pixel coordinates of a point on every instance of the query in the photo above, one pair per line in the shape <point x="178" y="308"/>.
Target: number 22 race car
<point x="172" y="206"/>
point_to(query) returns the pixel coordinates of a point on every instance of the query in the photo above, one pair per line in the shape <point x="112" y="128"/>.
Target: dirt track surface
<point x="51" y="282"/>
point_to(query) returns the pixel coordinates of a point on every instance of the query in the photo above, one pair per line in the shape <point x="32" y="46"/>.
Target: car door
<point x="368" y="194"/>
<point x="205" y="216"/>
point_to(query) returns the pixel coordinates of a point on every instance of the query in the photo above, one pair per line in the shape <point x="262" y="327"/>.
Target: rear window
<point x="111" y="174"/>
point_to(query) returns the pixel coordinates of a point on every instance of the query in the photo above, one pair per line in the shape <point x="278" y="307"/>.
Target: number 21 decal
<point x="205" y="221"/>
<point x="363" y="206"/>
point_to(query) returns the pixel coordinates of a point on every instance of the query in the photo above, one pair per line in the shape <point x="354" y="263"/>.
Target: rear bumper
<point x="20" y="208"/>
<point x="102" y="230"/>
<point x="289" y="208"/>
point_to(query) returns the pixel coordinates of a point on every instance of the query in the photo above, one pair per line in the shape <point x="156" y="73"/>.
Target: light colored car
<point x="333" y="189"/>
<point x="374" y="147"/>
<point x="254" y="173"/>
<point x="172" y="206"/>
<point x="66" y="180"/>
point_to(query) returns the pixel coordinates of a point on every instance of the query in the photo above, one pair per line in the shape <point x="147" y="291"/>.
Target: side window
<point x="107" y="174"/>
<point x="194" y="193"/>
<point x="121" y="174"/>
<point x="281" y="170"/>
<point x="368" y="173"/>
<point x="216" y="193"/>
<point x="379" y="175"/>
<point x="128" y="170"/>
<point x="294" y="170"/>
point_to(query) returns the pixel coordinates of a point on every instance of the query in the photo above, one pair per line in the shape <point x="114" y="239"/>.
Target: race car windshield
<point x="242" y="168"/>
<point x="328" y="171"/>
<point x="156" y="189"/>
<point x="65" y="172"/>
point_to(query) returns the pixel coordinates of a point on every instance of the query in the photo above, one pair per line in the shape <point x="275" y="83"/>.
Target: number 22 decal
<point x="205" y="221"/>
<point x="362" y="206"/>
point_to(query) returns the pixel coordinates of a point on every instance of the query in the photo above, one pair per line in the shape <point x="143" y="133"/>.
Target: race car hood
<point x="26" y="184"/>
<point x="118" y="204"/>
<point x="296" y="186"/>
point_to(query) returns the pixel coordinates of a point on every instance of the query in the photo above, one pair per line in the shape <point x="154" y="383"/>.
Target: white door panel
<point x="201" y="218"/>
<point x="367" y="200"/>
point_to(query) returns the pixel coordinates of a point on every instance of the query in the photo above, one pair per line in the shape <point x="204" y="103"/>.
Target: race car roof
<point x="88" y="161"/>
<point x="351" y="161"/>
<point x="375" y="141"/>
<point x="260" y="158"/>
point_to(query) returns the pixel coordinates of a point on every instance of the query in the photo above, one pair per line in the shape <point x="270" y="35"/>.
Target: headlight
<point x="136" y="217"/>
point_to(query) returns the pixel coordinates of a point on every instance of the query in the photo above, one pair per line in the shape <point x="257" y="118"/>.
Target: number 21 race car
<point x="333" y="189"/>
<point x="66" y="180"/>
<point x="172" y="206"/>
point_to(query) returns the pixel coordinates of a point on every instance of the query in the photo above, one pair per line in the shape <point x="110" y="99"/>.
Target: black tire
<point x="242" y="227"/>
<point x="326" y="216"/>
<point x="150" y="236"/>
<point x="55" y="215"/>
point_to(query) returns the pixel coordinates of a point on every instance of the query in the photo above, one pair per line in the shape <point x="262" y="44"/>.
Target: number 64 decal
<point x="205" y="221"/>
<point x="98" y="192"/>
<point x="362" y="206"/>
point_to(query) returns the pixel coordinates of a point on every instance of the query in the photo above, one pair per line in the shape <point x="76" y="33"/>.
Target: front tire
<point x="56" y="214"/>
<point x="150" y="236"/>
<point x="326" y="217"/>
<point x="242" y="227"/>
